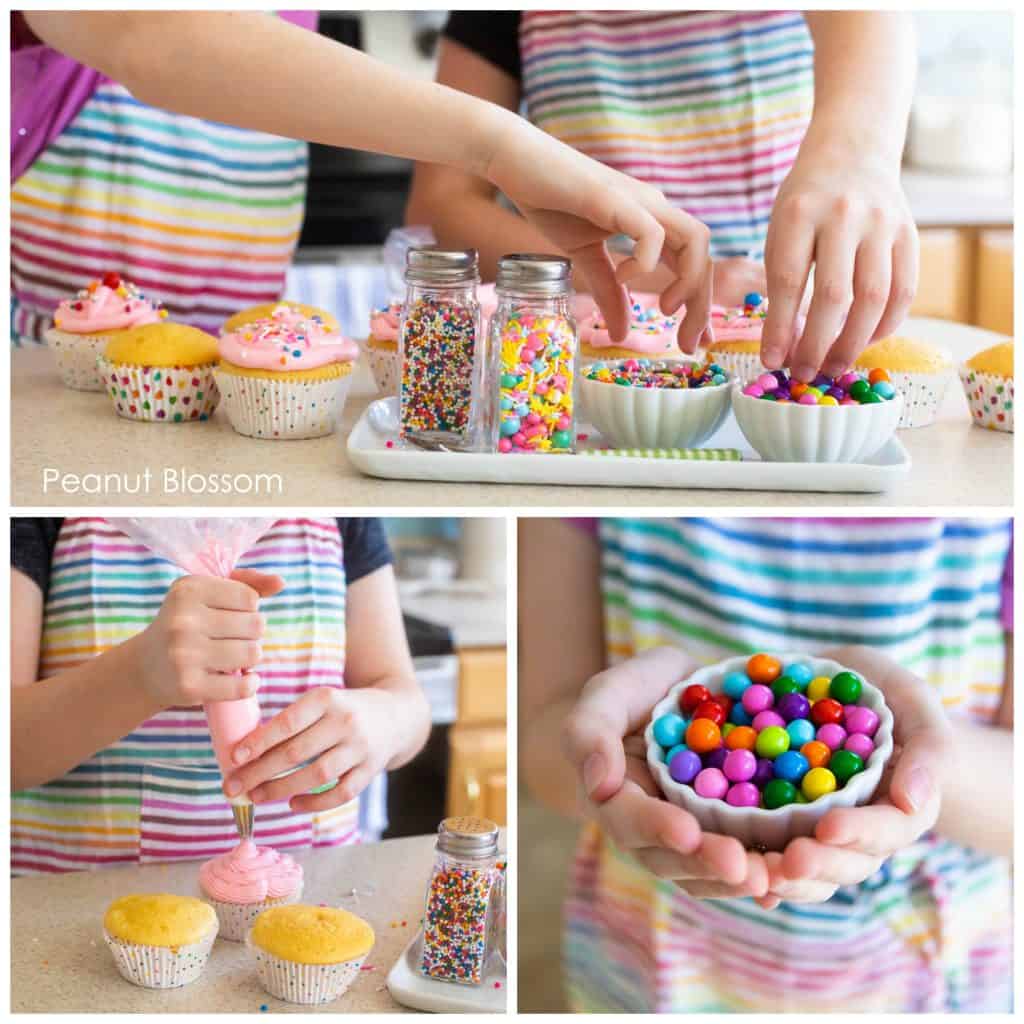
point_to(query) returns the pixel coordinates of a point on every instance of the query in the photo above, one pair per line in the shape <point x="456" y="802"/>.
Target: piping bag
<point x="209" y="546"/>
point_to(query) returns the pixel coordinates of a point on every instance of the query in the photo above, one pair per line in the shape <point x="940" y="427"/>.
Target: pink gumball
<point x="505" y="445"/>
<point x="767" y="382"/>
<point x="808" y="399"/>
<point x="860" y="745"/>
<point x="753" y="391"/>
<point x="765" y="718"/>
<point x="757" y="698"/>
<point x="711" y="783"/>
<point x="743" y="794"/>
<point x="862" y="720"/>
<point x="739" y="765"/>
<point x="832" y="735"/>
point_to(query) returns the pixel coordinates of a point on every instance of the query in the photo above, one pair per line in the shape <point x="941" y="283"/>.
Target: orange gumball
<point x="702" y="736"/>
<point x="817" y="753"/>
<point x="797" y="388"/>
<point x="877" y="374"/>
<point x="764" y="669"/>
<point x="741" y="738"/>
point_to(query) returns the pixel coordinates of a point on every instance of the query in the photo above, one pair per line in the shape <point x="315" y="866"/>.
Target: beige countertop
<point x="69" y="432"/>
<point x="60" y="964"/>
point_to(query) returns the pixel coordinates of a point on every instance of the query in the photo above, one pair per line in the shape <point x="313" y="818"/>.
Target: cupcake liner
<point x="76" y="356"/>
<point x="757" y="827"/>
<point x="160" y="966"/>
<point x="384" y="365"/>
<point x="282" y="409"/>
<point x="923" y="394"/>
<point x="989" y="398"/>
<point x="160" y="394"/>
<point x="303" y="983"/>
<point x="237" y="918"/>
<point x="743" y="366"/>
<point x="589" y="354"/>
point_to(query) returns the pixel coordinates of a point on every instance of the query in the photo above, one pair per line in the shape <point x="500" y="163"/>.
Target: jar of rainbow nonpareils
<point x="464" y="907"/>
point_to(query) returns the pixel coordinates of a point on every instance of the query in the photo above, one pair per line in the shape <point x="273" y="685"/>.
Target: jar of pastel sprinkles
<point x="534" y="346"/>
<point x="440" y="355"/>
<point x="461" y="923"/>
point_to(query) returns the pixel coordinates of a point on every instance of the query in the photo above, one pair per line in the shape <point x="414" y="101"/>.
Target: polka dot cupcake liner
<point x="384" y="366"/>
<point x="303" y="983"/>
<point x="76" y="356"/>
<point x="160" y="966"/>
<point x="989" y="398"/>
<point x="160" y="394"/>
<point x="282" y="409"/>
<point x="923" y="395"/>
<point x="237" y="918"/>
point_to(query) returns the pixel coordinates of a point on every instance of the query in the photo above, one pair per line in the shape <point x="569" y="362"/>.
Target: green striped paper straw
<point x="698" y="454"/>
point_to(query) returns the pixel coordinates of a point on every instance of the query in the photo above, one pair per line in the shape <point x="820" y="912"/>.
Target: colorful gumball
<point x="703" y="735"/>
<point x="778" y="793"/>
<point x="734" y="684"/>
<point x="765" y="772"/>
<point x="763" y="719"/>
<point x="740" y="765"/>
<point x="739" y="715"/>
<point x="818" y="782"/>
<point x="860" y="745"/>
<point x="793" y="706"/>
<point x="715" y="758"/>
<point x="801" y="731"/>
<point x="726" y="729"/>
<point x="825" y="711"/>
<point x="818" y="688"/>
<point x="711" y="783"/>
<point x="757" y="698"/>
<point x="763" y="669"/>
<point x="800" y="673"/>
<point x="832" y="735"/>
<point x="844" y="765"/>
<point x="792" y="766"/>
<point x="693" y="695"/>
<point x="772" y="741"/>
<point x="862" y="720"/>
<point x="669" y="730"/>
<point x="711" y="710"/>
<point x="817" y="754"/>
<point x="673" y="751"/>
<point x="743" y="794"/>
<point x="724" y="701"/>
<point x="742" y="737"/>
<point x="684" y="766"/>
<point x="784" y="685"/>
<point x="845" y="688"/>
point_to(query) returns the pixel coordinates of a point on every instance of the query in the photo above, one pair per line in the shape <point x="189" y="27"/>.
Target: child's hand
<point x="604" y="741"/>
<point x="346" y="735"/>
<point x="737" y="277"/>
<point x="579" y="204"/>
<point x="207" y="630"/>
<point x="853" y="223"/>
<point x="851" y="843"/>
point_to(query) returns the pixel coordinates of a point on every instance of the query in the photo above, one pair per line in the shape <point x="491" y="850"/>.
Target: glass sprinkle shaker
<point x="440" y="354"/>
<point x="463" y="907"/>
<point x="534" y="360"/>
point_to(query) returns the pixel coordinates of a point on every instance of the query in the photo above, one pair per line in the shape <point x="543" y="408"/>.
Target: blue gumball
<point x="674" y="750"/>
<point x="800" y="731"/>
<point x="800" y="673"/>
<point x="669" y="730"/>
<point x="791" y="766"/>
<point x="734" y="684"/>
<point x="739" y="715"/>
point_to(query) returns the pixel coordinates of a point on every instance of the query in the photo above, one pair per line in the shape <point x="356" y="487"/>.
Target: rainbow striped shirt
<point x="931" y="931"/>
<point x="202" y="216"/>
<point x="155" y="795"/>
<point x="710" y="107"/>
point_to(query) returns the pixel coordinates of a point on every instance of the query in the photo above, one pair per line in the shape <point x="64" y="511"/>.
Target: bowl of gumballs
<point x="833" y="419"/>
<point x="649" y="403"/>
<point x="760" y="748"/>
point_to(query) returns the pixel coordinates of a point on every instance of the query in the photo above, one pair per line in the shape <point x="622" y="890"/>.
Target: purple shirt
<point x="48" y="89"/>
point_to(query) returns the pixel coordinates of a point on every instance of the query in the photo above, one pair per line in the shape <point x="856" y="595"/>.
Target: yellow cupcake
<point x="382" y="344"/>
<point x="996" y="361"/>
<point x="988" y="384"/>
<point x="161" y="373"/>
<point x="261" y="312"/>
<point x="160" y="940"/>
<point x="903" y="355"/>
<point x="308" y="954"/>
<point x="745" y="347"/>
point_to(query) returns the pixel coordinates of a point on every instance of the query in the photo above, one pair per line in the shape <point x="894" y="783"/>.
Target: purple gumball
<point x="794" y="706"/>
<point x="765" y="772"/>
<point x="763" y="719"/>
<point x="684" y="766"/>
<point x="715" y="758"/>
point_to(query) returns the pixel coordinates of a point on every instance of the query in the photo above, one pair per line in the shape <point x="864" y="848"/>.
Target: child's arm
<point x="205" y="627"/>
<point x="256" y="71"/>
<point x="841" y="207"/>
<point x="580" y="750"/>
<point x="378" y="722"/>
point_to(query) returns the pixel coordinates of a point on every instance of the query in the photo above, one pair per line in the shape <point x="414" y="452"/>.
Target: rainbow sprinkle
<point x="455" y="927"/>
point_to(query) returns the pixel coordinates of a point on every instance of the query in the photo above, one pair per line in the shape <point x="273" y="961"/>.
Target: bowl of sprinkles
<point x="762" y="747"/>
<point x="833" y="419"/>
<point x="647" y="403"/>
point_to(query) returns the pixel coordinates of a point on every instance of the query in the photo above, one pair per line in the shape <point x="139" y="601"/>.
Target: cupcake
<point x="266" y="309"/>
<point x="285" y="376"/>
<point x="919" y="371"/>
<point x="308" y="954"/>
<point x="651" y="333"/>
<point x="737" y="334"/>
<point x="161" y="940"/>
<point x="988" y="383"/>
<point x="382" y="347"/>
<point x="83" y="326"/>
<point x="245" y="881"/>
<point x="161" y="373"/>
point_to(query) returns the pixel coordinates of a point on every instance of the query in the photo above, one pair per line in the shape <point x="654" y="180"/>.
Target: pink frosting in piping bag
<point x="250" y="874"/>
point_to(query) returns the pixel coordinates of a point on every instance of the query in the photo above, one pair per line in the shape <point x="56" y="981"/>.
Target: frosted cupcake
<point x="245" y="881"/>
<point x="309" y="954"/>
<point x="737" y="333"/>
<point x="159" y="940"/>
<point x="919" y="371"/>
<point x="988" y="383"/>
<point x="651" y="333"/>
<point x="83" y="326"/>
<point x="266" y="309"/>
<point x="285" y="376"/>
<point x="161" y="373"/>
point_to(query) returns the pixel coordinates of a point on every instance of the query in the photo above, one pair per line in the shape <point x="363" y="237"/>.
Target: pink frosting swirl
<point x="650" y="331"/>
<point x="286" y="340"/>
<point x="738" y="323"/>
<point x="384" y="322"/>
<point x="110" y="305"/>
<point x="250" y="874"/>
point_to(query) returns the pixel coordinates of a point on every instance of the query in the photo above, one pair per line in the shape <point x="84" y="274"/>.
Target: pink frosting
<point x="650" y="331"/>
<point x="106" y="307"/>
<point x="250" y="874"/>
<point x="384" y="322"/>
<point x="738" y="324"/>
<point x="286" y="340"/>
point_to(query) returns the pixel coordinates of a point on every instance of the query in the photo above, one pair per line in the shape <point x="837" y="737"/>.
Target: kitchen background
<point x="957" y="173"/>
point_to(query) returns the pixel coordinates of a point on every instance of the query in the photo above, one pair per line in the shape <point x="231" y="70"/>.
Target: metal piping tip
<point x="243" y="814"/>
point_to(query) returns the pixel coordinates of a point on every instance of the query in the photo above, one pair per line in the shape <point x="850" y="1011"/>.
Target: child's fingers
<point x="265" y="584"/>
<point x="221" y="625"/>
<point x="789" y="252"/>
<point x="711" y="890"/>
<point x="328" y="767"/>
<point x="294" y="719"/>
<point x="297" y="750"/>
<point x="630" y="218"/>
<point x="903" y="286"/>
<point x="232" y="655"/>
<point x="700" y="867"/>
<point x="635" y="820"/>
<point x="877" y="829"/>
<point x="345" y="791"/>
<point x="725" y="856"/>
<point x="229" y="686"/>
<point x="805" y="859"/>
<point x="803" y="892"/>
<point x="598" y="270"/>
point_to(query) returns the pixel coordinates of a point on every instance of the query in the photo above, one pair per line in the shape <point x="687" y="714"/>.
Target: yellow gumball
<point x="818" y="688"/>
<point x="818" y="782"/>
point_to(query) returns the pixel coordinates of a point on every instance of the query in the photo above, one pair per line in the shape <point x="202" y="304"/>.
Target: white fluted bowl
<point x="758" y="827"/>
<point x="791" y="432"/>
<point x="630" y="417"/>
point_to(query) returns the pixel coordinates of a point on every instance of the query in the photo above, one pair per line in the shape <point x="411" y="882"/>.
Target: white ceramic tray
<point x="411" y="988"/>
<point x="369" y="452"/>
